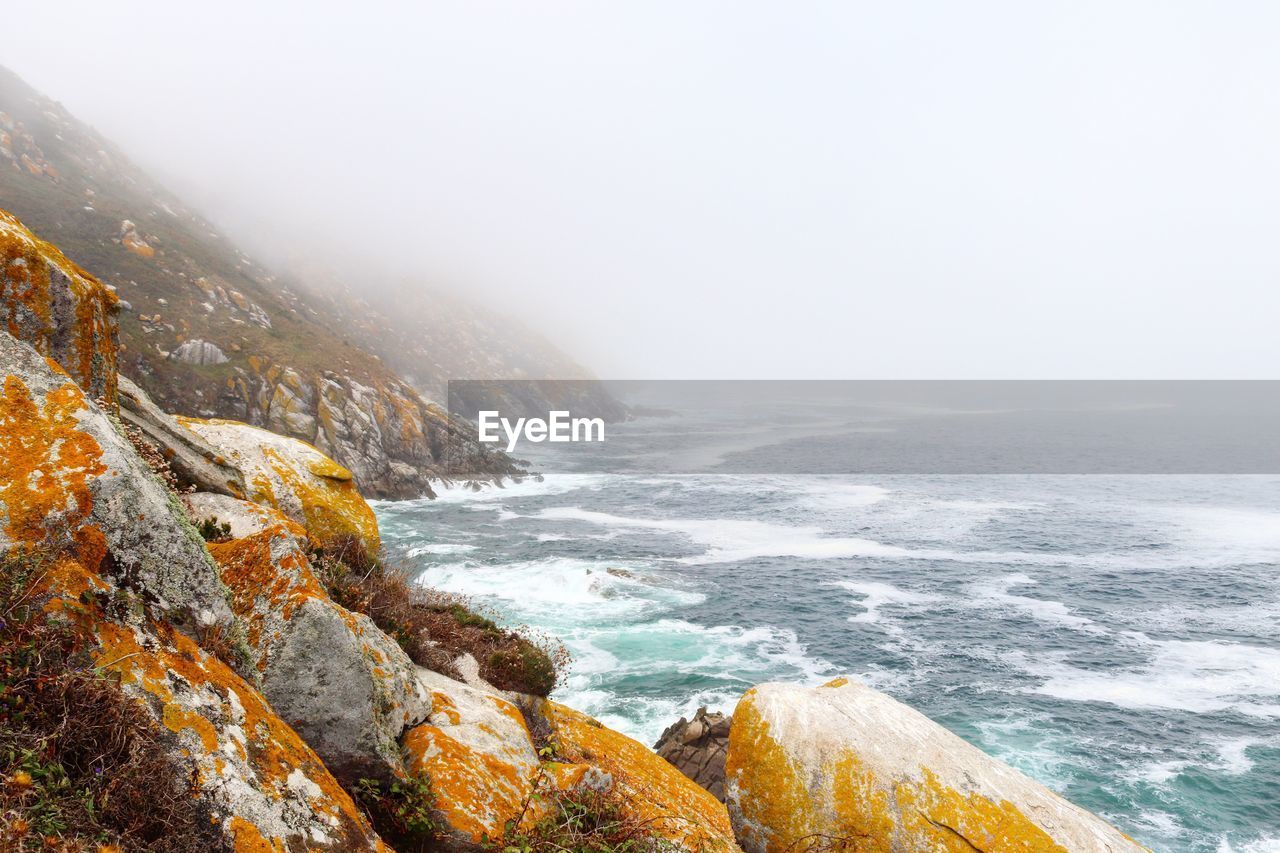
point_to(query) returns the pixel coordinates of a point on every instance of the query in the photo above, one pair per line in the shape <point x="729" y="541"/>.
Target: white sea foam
<point x="1195" y="676"/>
<point x="1029" y="743"/>
<point x="440" y="548"/>
<point x="837" y="496"/>
<point x="730" y="540"/>
<point x="1265" y="844"/>
<point x="875" y="595"/>
<point x="539" y="587"/>
<point x="997" y="592"/>
<point x="551" y="484"/>
<point x="727" y="659"/>
<point x="1229" y="757"/>
<point x="1233" y="758"/>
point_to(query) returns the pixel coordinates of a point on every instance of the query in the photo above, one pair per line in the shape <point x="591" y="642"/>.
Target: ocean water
<point x="1115" y="637"/>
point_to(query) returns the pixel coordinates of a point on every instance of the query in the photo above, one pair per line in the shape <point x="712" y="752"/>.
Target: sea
<point x="1114" y="636"/>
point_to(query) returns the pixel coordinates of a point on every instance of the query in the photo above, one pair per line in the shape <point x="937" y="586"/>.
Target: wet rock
<point x="850" y="765"/>
<point x="698" y="748"/>
<point x="192" y="459"/>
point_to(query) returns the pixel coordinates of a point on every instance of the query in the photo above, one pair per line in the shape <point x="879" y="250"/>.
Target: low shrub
<point x="211" y="531"/>
<point x="435" y="628"/>
<point x="402" y="812"/>
<point x="82" y="765"/>
<point x="583" y="821"/>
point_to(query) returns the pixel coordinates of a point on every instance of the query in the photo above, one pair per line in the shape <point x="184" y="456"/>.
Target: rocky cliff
<point x="235" y="670"/>
<point x="208" y="332"/>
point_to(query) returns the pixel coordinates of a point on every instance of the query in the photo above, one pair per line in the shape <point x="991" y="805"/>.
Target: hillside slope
<point x="208" y="332"/>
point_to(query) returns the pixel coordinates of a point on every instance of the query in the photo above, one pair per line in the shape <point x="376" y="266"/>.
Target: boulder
<point x="58" y="308"/>
<point x="196" y="351"/>
<point x="295" y="478"/>
<point x="477" y="752"/>
<point x="697" y="748"/>
<point x="672" y="805"/>
<point x="120" y="567"/>
<point x="849" y="765"/>
<point x="131" y="240"/>
<point x="262" y="787"/>
<point x="73" y="482"/>
<point x="192" y="459"/>
<point x="347" y="687"/>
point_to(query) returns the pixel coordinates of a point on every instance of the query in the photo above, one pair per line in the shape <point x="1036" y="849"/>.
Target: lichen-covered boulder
<point x="192" y="459"/>
<point x="58" y="308"/>
<point x="120" y="565"/>
<point x="476" y="750"/>
<point x="847" y="764"/>
<point x="296" y="479"/>
<point x="262" y="787"/>
<point x="673" y="806"/>
<point x="347" y="687"/>
<point x="74" y="483"/>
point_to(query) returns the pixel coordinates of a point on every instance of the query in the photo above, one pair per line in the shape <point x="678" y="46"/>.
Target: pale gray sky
<point x="737" y="189"/>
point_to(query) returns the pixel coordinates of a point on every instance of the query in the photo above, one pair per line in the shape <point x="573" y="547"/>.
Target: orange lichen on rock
<point x="843" y="765"/>
<point x="673" y="806"/>
<point x="48" y="463"/>
<point x="58" y="308"/>
<point x="476" y="750"/>
<point x="296" y="479"/>
<point x="251" y="769"/>
<point x="477" y="792"/>
<point x="269" y="578"/>
<point x="791" y="812"/>
<point x="297" y="635"/>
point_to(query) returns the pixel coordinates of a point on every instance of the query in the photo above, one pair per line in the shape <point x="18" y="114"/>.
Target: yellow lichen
<point x="476" y="791"/>
<point x="787" y="805"/>
<point x="49" y="463"/>
<point x="673" y="806"/>
<point x="296" y="479"/>
<point x="86" y="345"/>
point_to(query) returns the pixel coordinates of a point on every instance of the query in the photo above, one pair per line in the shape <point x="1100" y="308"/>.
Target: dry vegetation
<point x="582" y="821"/>
<point x="435" y="628"/>
<point x="82" y="766"/>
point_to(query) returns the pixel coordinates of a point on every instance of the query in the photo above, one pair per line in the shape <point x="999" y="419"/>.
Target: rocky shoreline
<point x="214" y="577"/>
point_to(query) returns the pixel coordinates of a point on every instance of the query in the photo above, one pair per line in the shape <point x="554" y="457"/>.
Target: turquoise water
<point x="1117" y="638"/>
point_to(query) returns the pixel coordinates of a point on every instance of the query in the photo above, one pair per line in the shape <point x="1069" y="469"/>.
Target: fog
<point x="734" y="189"/>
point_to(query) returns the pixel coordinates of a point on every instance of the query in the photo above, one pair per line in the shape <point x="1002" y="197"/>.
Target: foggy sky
<point x="736" y="189"/>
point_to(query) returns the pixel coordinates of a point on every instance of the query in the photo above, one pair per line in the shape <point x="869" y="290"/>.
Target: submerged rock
<point x="673" y="807"/>
<point x="849" y="765"/>
<point x="295" y="478"/>
<point x="698" y="748"/>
